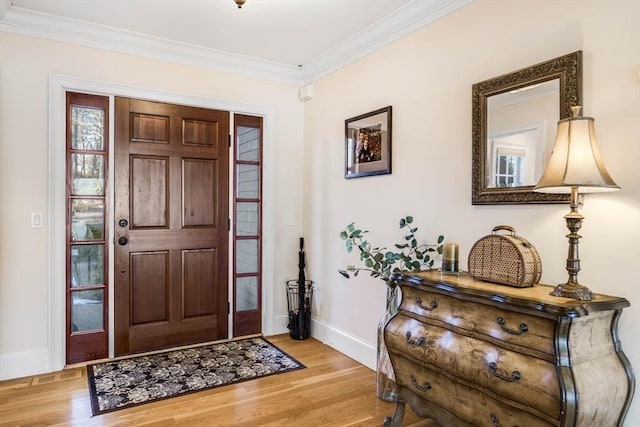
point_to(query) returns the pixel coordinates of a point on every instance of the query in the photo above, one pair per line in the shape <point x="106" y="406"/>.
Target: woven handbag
<point x="507" y="259"/>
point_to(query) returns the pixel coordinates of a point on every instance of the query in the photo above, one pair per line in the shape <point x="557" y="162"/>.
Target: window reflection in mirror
<point x="520" y="133"/>
<point x="511" y="144"/>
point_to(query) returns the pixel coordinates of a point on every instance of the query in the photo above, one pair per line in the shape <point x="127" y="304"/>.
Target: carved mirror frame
<point x="568" y="69"/>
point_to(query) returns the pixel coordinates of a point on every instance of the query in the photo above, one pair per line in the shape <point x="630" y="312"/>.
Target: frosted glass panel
<point x="246" y="293"/>
<point x="246" y="256"/>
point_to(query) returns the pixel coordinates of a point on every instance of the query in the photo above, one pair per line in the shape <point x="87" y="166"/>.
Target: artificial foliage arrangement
<point x="381" y="262"/>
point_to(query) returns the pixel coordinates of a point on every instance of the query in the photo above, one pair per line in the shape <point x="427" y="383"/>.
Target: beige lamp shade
<point x="575" y="160"/>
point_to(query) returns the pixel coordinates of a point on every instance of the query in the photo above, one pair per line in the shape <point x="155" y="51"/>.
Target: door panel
<point x="199" y="184"/>
<point x="149" y="201"/>
<point x="171" y="256"/>
<point x="199" y="269"/>
<point x="148" y="128"/>
<point x="149" y="287"/>
<point x="199" y="132"/>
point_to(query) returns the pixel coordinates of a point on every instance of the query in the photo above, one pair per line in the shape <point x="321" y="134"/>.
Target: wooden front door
<point x="171" y="225"/>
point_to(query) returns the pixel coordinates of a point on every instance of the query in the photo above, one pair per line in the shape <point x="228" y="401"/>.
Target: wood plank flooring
<point x="334" y="390"/>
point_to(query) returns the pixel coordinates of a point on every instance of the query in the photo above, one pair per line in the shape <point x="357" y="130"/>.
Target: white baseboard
<point x="350" y="345"/>
<point x="17" y="365"/>
<point x="36" y="362"/>
<point x="279" y="324"/>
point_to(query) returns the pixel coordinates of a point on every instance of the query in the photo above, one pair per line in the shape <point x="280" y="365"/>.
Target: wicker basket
<point x="505" y="258"/>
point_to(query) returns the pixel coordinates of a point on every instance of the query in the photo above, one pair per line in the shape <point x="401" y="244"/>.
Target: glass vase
<point x="385" y="378"/>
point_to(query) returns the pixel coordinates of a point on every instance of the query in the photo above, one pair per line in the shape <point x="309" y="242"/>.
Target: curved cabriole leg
<point x="398" y="415"/>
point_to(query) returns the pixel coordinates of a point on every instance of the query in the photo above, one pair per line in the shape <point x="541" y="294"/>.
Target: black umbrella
<point x="301" y="289"/>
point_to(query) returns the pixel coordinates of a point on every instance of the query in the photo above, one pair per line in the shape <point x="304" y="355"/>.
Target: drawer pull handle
<point x="433" y="305"/>
<point x="423" y="388"/>
<point x="415" y="342"/>
<point x="494" y="420"/>
<point x="522" y="329"/>
<point x="515" y="376"/>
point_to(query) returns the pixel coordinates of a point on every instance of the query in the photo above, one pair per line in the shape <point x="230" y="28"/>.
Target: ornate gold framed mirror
<point x="513" y="131"/>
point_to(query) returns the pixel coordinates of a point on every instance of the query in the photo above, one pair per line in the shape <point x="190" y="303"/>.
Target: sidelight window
<point x="247" y="230"/>
<point x="86" y="245"/>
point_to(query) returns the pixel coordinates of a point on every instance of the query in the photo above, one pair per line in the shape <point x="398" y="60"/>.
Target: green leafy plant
<point x="382" y="262"/>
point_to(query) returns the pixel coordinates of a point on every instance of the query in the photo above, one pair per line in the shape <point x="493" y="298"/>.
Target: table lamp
<point x="575" y="167"/>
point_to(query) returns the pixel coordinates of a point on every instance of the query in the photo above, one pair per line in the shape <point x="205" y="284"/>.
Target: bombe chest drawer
<point x="471" y="353"/>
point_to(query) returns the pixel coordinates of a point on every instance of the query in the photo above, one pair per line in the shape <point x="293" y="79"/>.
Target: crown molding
<point x="37" y="24"/>
<point x="412" y="16"/>
<point x="405" y="20"/>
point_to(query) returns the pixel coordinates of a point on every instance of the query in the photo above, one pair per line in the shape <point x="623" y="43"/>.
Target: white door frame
<point x="58" y="86"/>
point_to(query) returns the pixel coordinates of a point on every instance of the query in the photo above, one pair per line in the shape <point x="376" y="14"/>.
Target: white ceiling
<point x="286" y="40"/>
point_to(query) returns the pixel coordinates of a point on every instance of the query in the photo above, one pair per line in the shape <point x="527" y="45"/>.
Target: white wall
<point x="26" y="66"/>
<point x="427" y="78"/>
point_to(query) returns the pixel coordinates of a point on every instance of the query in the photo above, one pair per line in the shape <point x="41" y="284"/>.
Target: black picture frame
<point x="367" y="142"/>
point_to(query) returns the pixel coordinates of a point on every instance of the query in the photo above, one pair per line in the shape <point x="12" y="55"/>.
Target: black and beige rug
<point x="133" y="381"/>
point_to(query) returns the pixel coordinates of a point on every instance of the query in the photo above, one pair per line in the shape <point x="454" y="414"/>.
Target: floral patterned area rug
<point x="123" y="383"/>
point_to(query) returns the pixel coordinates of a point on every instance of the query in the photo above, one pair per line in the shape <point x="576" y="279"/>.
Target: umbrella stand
<point x="299" y="317"/>
<point x="299" y="295"/>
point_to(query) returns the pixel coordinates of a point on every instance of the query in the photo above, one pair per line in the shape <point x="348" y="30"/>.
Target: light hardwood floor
<point x="333" y="390"/>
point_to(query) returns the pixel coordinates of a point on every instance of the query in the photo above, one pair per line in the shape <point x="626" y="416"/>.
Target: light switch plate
<point x="289" y="219"/>
<point x="36" y="219"/>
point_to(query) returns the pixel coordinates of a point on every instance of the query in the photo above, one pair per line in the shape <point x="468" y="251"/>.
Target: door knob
<point x="123" y="241"/>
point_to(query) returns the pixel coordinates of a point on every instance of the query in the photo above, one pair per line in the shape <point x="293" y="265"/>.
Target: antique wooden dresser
<point x="472" y="353"/>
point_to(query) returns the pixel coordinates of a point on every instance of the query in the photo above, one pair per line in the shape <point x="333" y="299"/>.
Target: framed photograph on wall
<point x="368" y="144"/>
